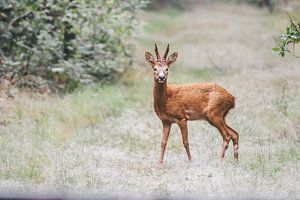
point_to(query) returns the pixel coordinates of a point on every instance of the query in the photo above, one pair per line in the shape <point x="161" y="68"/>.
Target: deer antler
<point x="166" y="53"/>
<point x="157" y="53"/>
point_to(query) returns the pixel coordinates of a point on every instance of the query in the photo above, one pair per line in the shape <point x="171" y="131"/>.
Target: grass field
<point x="105" y="141"/>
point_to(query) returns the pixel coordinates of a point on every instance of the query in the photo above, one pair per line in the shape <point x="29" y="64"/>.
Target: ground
<point x="105" y="141"/>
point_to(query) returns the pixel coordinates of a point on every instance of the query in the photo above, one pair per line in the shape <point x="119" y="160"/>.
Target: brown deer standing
<point x="180" y="103"/>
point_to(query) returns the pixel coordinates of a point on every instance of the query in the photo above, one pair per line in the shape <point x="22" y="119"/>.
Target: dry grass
<point x="106" y="141"/>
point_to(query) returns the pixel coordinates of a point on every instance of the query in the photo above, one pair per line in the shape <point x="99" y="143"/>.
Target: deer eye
<point x="167" y="69"/>
<point x="155" y="69"/>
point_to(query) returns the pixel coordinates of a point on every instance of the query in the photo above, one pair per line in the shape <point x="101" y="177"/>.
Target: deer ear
<point x="149" y="57"/>
<point x="172" y="58"/>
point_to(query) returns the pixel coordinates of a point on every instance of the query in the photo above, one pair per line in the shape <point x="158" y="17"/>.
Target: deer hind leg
<point x="184" y="133"/>
<point x="164" y="140"/>
<point x="235" y="140"/>
<point x="219" y="123"/>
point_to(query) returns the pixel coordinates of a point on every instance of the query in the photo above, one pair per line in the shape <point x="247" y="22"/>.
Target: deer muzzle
<point x="161" y="77"/>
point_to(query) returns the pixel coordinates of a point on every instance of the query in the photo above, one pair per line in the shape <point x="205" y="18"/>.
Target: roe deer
<point x="180" y="103"/>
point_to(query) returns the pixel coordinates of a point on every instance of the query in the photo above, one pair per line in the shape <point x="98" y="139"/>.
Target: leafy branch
<point x="290" y="38"/>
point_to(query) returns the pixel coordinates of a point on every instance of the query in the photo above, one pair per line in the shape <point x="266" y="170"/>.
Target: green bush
<point x="291" y="37"/>
<point x="260" y="3"/>
<point x="179" y="4"/>
<point x="69" y="41"/>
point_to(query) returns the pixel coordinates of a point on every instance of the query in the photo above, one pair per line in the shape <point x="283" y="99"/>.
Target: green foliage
<point x="291" y="37"/>
<point x="260" y="3"/>
<point x="156" y="4"/>
<point x="70" y="41"/>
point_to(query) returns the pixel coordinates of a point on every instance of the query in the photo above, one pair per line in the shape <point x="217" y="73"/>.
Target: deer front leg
<point x="164" y="140"/>
<point x="184" y="132"/>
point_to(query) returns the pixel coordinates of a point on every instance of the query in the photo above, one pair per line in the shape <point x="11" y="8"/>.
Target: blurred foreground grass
<point x="106" y="140"/>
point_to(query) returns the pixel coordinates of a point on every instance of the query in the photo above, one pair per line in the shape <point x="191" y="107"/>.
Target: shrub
<point x="291" y="37"/>
<point x="69" y="41"/>
<point x="179" y="4"/>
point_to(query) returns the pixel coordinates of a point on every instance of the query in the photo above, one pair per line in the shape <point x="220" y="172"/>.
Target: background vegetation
<point x="104" y="140"/>
<point x="290" y="38"/>
<point x="79" y="41"/>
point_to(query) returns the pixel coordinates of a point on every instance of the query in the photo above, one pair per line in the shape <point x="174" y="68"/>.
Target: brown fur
<point x="190" y="101"/>
<point x="180" y="103"/>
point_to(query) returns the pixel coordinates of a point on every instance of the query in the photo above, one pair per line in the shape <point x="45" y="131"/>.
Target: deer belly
<point x="193" y="114"/>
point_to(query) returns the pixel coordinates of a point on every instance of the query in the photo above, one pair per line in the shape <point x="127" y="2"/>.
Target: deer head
<point x="161" y="65"/>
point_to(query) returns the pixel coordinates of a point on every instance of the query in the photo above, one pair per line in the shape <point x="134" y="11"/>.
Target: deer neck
<point x="159" y="94"/>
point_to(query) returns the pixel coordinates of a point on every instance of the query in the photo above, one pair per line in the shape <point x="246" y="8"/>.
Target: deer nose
<point x="161" y="77"/>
